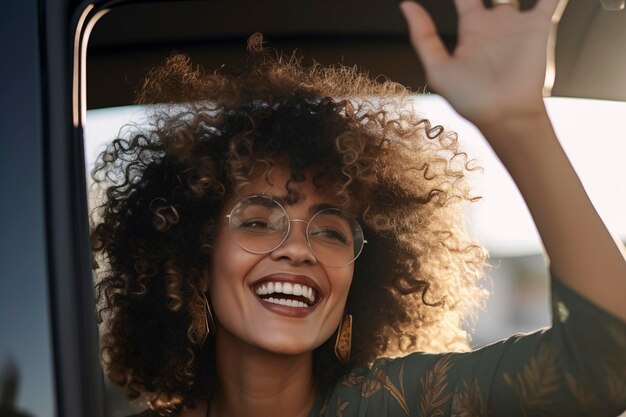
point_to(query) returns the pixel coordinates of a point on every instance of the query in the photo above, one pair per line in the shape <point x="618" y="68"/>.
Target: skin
<point x="265" y="358"/>
<point x="494" y="78"/>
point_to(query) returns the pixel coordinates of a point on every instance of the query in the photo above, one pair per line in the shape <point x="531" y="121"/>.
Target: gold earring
<point x="343" y="344"/>
<point x="208" y="319"/>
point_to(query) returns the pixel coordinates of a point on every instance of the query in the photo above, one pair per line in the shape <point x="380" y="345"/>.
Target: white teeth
<point x="286" y="288"/>
<point x="285" y="302"/>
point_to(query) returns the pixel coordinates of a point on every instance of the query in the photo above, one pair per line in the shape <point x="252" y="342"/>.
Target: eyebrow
<point x="312" y="210"/>
<point x="319" y="207"/>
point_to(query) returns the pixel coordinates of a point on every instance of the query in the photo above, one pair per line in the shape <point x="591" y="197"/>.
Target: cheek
<point x="227" y="274"/>
<point x="341" y="280"/>
<point x="344" y="287"/>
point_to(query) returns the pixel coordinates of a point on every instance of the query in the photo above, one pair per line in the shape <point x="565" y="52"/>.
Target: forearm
<point x="581" y="251"/>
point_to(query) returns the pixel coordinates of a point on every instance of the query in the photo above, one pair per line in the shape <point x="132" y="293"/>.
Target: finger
<point x="464" y="6"/>
<point x="553" y="9"/>
<point x="423" y="34"/>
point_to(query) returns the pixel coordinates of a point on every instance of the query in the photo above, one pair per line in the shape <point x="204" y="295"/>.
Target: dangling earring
<point x="208" y="319"/>
<point x="343" y="344"/>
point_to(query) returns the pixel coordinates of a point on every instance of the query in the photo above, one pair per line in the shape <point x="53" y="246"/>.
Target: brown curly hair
<point x="166" y="184"/>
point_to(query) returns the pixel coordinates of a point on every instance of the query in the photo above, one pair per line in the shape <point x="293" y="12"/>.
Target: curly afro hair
<point x="165" y="185"/>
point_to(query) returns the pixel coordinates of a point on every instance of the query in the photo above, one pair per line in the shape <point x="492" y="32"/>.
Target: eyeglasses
<point x="260" y="225"/>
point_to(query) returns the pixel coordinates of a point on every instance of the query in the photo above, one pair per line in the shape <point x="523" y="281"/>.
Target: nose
<point x="295" y="248"/>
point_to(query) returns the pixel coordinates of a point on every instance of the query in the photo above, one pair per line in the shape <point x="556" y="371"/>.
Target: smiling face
<point x="284" y="301"/>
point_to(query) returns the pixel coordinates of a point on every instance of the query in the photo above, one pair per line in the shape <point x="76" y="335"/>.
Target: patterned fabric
<point x="577" y="367"/>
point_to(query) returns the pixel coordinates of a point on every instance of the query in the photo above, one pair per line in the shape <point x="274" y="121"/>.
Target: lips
<point x="287" y="294"/>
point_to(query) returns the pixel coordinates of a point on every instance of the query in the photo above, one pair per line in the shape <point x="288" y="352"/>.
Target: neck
<point x="260" y="383"/>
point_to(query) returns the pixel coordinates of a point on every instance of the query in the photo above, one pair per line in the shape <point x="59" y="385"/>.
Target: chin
<point x="289" y="345"/>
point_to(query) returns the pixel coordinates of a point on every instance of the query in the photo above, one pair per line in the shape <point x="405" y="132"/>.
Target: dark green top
<point x="577" y="367"/>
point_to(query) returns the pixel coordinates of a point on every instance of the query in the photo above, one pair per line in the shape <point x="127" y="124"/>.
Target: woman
<point x="276" y="233"/>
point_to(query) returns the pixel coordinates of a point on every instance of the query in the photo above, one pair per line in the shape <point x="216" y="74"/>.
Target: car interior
<point x="89" y="57"/>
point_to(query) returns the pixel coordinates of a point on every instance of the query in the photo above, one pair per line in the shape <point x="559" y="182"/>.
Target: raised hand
<point x="497" y="71"/>
<point x="494" y="78"/>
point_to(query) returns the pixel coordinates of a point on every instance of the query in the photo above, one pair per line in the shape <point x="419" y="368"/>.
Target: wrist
<point x="521" y="138"/>
<point x="516" y="129"/>
<point x="512" y="122"/>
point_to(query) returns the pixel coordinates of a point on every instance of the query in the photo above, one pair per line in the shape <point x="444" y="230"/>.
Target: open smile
<point x="287" y="294"/>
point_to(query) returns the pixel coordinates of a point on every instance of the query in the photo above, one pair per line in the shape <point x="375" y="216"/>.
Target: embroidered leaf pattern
<point x="537" y="382"/>
<point x="373" y="384"/>
<point x="378" y="380"/>
<point x="434" y="388"/>
<point x="401" y="378"/>
<point x="468" y="402"/>
<point x="324" y="407"/>
<point x="352" y="380"/>
<point x="619" y="336"/>
<point x="396" y="393"/>
<point x="617" y="385"/>
<point x="581" y="392"/>
<point x="341" y="407"/>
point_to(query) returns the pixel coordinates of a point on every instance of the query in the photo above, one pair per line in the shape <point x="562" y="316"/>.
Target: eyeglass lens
<point x="261" y="225"/>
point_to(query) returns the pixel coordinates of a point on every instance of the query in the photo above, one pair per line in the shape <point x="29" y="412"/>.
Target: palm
<point x="498" y="67"/>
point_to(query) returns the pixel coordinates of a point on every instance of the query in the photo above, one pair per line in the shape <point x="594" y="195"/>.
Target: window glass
<point x="27" y="385"/>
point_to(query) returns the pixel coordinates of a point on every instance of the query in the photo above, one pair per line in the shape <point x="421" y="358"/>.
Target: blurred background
<point x="587" y="105"/>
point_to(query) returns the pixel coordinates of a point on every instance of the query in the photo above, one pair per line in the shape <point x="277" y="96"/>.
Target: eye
<point x="329" y="235"/>
<point x="259" y="224"/>
<point x="254" y="223"/>
<point x="258" y="215"/>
